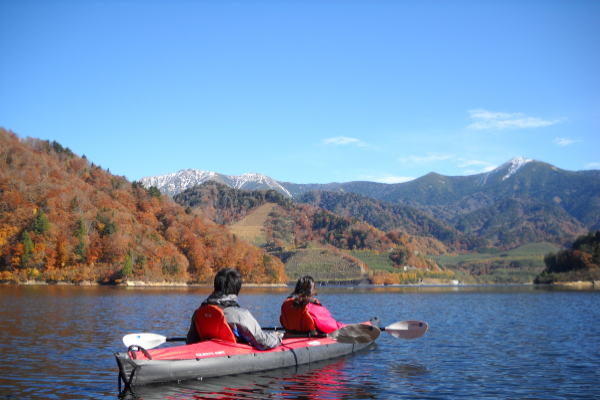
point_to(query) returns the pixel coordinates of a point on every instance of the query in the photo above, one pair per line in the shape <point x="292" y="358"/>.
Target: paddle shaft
<point x="183" y="339"/>
<point x="266" y="328"/>
<point x="356" y="333"/>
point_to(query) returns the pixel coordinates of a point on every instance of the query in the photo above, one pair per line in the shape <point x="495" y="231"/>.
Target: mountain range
<point x="63" y="218"/>
<point x="521" y="201"/>
<point x="175" y="183"/>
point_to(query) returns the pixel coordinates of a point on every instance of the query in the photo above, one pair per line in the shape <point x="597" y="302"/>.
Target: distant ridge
<point x="177" y="182"/>
<point x="521" y="201"/>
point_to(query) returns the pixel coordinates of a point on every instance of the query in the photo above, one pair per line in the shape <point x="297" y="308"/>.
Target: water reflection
<point x="408" y="371"/>
<point x="322" y="380"/>
<point x="484" y="342"/>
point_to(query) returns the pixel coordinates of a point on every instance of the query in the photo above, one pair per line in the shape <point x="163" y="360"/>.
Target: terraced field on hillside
<point x="520" y="265"/>
<point x="251" y="227"/>
<point x="323" y="265"/>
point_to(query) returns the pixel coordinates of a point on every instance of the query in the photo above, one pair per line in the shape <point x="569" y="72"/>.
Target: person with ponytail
<point x="302" y="313"/>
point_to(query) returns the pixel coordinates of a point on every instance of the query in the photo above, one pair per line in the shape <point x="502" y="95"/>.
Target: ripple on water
<point x="58" y="343"/>
<point x="323" y="380"/>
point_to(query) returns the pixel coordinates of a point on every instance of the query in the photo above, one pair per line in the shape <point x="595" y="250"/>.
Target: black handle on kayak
<point x="175" y="339"/>
<point x="134" y="348"/>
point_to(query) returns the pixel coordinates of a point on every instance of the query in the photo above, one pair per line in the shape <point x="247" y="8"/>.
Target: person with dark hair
<point x="302" y="313"/>
<point x="221" y="317"/>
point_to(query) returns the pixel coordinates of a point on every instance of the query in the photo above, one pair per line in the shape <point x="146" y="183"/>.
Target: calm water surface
<point x="58" y="342"/>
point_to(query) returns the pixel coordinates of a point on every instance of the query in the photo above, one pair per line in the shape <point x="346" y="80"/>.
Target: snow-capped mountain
<point x="512" y="166"/>
<point x="177" y="182"/>
<point x="507" y="169"/>
<point x="520" y="201"/>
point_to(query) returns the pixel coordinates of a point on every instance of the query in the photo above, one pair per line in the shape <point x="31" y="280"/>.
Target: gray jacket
<point x="242" y="323"/>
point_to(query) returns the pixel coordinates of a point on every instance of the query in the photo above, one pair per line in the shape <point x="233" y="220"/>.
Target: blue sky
<point x="305" y="91"/>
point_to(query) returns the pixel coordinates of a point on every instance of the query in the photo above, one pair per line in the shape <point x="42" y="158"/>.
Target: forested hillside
<point x="512" y="222"/>
<point x="291" y="226"/>
<point x="62" y="218"/>
<point x="580" y="262"/>
<point x="520" y="202"/>
<point x="225" y="205"/>
<point x="505" y="223"/>
<point x="389" y="217"/>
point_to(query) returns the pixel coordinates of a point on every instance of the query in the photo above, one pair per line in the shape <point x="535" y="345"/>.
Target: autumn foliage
<point x="581" y="262"/>
<point x="289" y="225"/>
<point x="62" y="218"/>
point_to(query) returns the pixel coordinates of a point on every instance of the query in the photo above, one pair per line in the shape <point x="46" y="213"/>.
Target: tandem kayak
<point x="213" y="358"/>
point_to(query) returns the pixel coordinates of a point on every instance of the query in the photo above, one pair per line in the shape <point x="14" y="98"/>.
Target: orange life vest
<point x="296" y="318"/>
<point x="210" y="323"/>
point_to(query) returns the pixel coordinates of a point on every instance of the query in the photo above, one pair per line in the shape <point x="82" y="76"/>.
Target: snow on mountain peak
<point x="253" y="178"/>
<point x="179" y="181"/>
<point x="514" y="165"/>
<point x="509" y="168"/>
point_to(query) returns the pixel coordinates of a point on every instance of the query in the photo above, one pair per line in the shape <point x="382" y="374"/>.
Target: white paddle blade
<point x="145" y="340"/>
<point x="356" y="333"/>
<point x="407" y="329"/>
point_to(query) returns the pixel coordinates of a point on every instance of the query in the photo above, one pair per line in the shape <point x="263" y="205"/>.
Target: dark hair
<point x="303" y="287"/>
<point x="227" y="281"/>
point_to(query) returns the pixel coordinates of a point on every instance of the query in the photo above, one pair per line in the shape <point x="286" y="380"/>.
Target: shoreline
<point x="134" y="284"/>
<point x="579" y="284"/>
<point x="576" y="285"/>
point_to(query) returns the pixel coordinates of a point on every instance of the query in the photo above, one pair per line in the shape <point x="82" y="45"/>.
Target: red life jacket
<point x="296" y="318"/>
<point x="210" y="323"/>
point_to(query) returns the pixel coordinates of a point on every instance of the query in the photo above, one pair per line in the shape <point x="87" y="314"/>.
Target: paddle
<point x="406" y="329"/>
<point x="356" y="333"/>
<point x="148" y="340"/>
<point x="400" y="329"/>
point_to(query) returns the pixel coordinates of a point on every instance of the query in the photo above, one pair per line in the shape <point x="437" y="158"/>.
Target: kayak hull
<point x="215" y="358"/>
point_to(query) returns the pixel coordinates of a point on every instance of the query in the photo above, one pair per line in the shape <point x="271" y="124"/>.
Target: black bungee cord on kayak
<point x="127" y="381"/>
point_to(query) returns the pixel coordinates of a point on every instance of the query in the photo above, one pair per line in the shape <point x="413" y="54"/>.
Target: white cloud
<point x="413" y="159"/>
<point x="593" y="165"/>
<point x="485" y="114"/>
<point x="485" y="119"/>
<point x="483" y="170"/>
<point x="564" y="141"/>
<point x="344" y="141"/>
<point x="475" y="166"/>
<point x="385" y="178"/>
<point x="471" y="163"/>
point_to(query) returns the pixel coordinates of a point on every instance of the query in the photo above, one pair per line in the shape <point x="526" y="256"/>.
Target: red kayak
<point x="215" y="357"/>
<point x="212" y="358"/>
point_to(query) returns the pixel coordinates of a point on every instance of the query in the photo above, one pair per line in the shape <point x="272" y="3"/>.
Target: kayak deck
<point x="215" y="357"/>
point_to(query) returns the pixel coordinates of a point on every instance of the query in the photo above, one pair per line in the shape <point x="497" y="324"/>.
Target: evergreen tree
<point x="127" y="269"/>
<point x="27" y="250"/>
<point x="80" y="233"/>
<point x="41" y="224"/>
<point x="154" y="192"/>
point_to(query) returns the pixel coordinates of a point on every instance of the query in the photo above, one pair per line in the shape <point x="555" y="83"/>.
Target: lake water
<point x="57" y="342"/>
